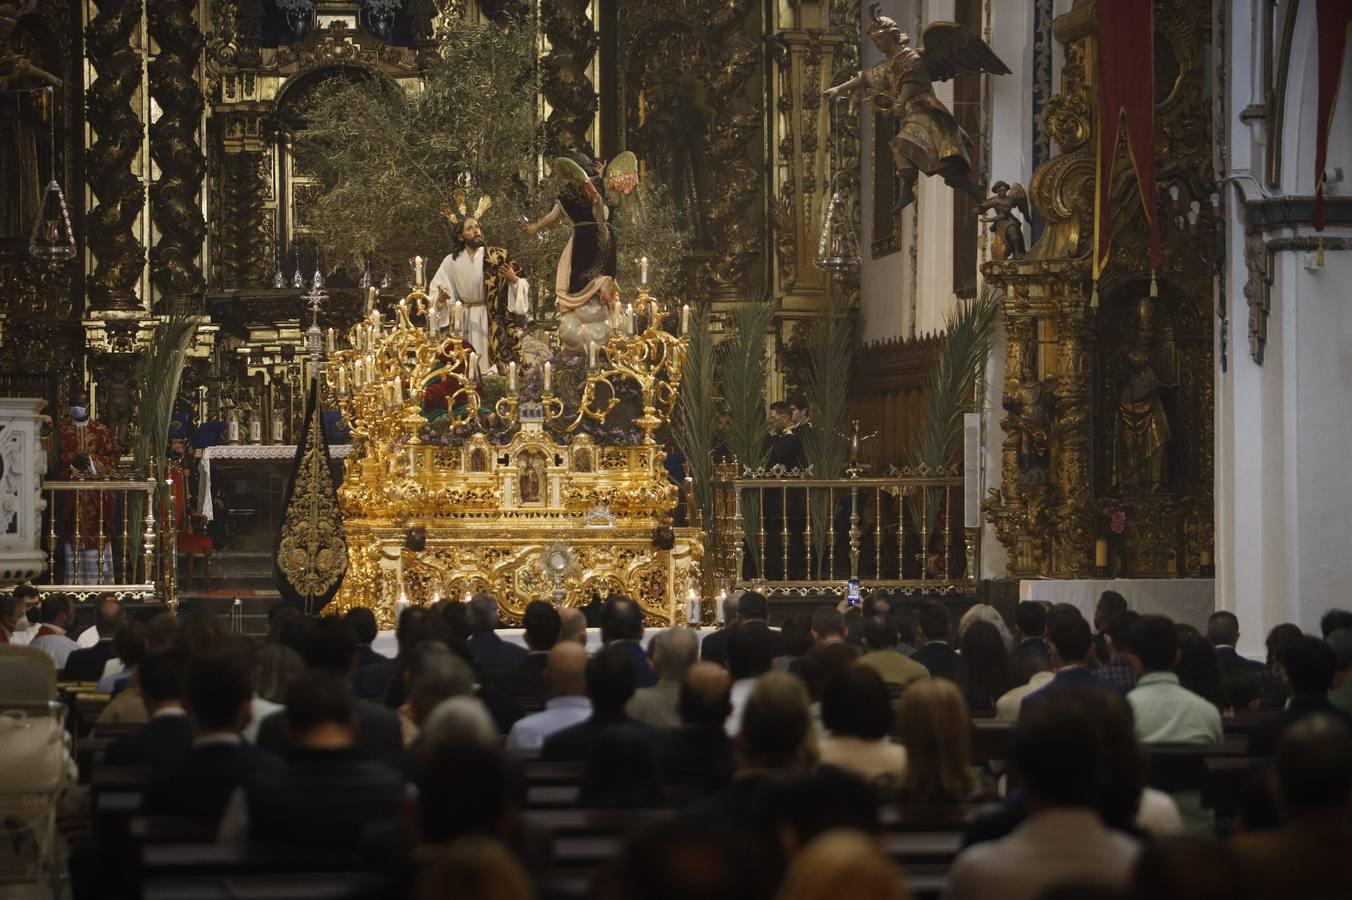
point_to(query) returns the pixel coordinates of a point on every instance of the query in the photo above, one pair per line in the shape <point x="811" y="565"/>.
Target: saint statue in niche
<point x="582" y="461"/>
<point x="478" y="460"/>
<point x="531" y="478"/>
<point x="1141" y="430"/>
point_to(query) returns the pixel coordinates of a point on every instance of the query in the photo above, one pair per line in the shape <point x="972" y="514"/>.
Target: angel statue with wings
<point x="928" y="138"/>
<point x="585" y="290"/>
<point x="1006" y="229"/>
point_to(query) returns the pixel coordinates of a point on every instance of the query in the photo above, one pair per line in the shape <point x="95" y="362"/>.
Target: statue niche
<point x="1140" y="402"/>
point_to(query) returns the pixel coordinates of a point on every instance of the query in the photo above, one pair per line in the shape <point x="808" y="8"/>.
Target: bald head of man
<point x="706" y="695"/>
<point x="566" y="670"/>
<point x="573" y="625"/>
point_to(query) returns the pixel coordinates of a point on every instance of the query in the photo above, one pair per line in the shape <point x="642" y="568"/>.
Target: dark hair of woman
<point x="985" y="666"/>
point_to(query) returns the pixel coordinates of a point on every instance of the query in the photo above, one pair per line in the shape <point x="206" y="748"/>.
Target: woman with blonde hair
<point x="840" y="864"/>
<point x="934" y="726"/>
<point x="472" y="868"/>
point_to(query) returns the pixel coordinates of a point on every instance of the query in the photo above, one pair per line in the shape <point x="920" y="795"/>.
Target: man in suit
<point x="1070" y="642"/>
<point x="492" y="655"/>
<point x="673" y="653"/>
<point x="1030" y="626"/>
<point x="328" y="645"/>
<point x="1305" y="856"/>
<point x="87" y="664"/>
<point x="1307" y="665"/>
<point x="714" y="648"/>
<point x="375" y="672"/>
<point x="699" y="752"/>
<point x="932" y="630"/>
<point x="327" y="794"/>
<point x="219" y="695"/>
<point x="1240" y="675"/>
<point x="622" y="627"/>
<point x="164" y="741"/>
<point x="610" y="684"/>
<point x="525" y="683"/>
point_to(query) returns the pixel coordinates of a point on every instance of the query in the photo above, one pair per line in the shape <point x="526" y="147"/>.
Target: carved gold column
<point x="566" y="86"/>
<point x="1074" y="542"/>
<point x="174" y="207"/>
<point x="119" y="194"/>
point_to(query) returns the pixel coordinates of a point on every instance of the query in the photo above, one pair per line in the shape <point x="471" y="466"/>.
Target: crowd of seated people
<point x="825" y="760"/>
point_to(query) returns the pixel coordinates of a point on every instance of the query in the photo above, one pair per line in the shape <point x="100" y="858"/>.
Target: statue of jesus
<point x="489" y="286"/>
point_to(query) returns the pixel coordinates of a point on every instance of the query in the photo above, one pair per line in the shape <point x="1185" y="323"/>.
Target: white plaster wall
<point x="1283" y="470"/>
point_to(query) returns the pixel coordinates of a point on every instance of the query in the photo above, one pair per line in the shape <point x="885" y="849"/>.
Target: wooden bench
<point x="305" y="886"/>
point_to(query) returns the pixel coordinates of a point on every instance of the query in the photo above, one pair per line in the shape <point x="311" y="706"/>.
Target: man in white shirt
<point x="566" y="678"/>
<point x="474" y="290"/>
<point x="16" y="629"/>
<point x="1166" y="712"/>
<point x="58" y="614"/>
<point x="1059" y="754"/>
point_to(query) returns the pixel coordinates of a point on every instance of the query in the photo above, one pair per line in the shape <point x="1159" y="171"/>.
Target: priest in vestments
<point x="88" y="450"/>
<point x="489" y="287"/>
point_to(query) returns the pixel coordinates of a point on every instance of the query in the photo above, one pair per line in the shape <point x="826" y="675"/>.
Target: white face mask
<point x="79" y="412"/>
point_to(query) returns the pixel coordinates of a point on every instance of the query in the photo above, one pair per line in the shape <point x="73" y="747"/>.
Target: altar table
<point x="247" y="451"/>
<point x="386" y="645"/>
<point x="1189" y="600"/>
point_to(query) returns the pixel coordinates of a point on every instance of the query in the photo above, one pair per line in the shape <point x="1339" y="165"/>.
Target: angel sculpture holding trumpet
<point x="928" y="138"/>
<point x="585" y="290"/>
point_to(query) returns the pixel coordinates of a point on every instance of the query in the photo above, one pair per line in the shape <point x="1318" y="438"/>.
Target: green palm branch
<point x="743" y="367"/>
<point x="830" y="347"/>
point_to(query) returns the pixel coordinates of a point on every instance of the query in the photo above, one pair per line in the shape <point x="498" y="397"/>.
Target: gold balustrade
<point x="110" y="565"/>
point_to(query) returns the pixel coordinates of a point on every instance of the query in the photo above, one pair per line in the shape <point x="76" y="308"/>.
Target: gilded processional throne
<point x="543" y="483"/>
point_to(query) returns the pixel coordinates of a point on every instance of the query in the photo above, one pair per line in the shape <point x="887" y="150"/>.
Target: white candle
<point x="278" y="429"/>
<point x="255" y="431"/>
<point x="692" y="608"/>
<point x="371" y="294"/>
<point x="458" y="318"/>
<point x="685" y="320"/>
<point x="549" y="376"/>
<point x="375" y="321"/>
<point x="418" y="271"/>
<point x="718" y="607"/>
<point x="591" y="354"/>
<point x="330" y="342"/>
<point x="473" y="365"/>
<point x="511" y="377"/>
<point x="643" y="270"/>
<point x="342" y="380"/>
<point x="629" y="318"/>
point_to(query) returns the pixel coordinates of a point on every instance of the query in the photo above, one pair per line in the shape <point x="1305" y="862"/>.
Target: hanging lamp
<point x="838" y="245"/>
<point x="53" y="241"/>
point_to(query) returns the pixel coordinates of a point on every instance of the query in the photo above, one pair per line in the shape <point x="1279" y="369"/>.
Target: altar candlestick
<point x="643" y="270"/>
<point x="549" y="376"/>
<point x="418" y="272"/>
<point x="278" y="429"/>
<point x="330" y="342"/>
<point x="718" y="607"/>
<point x="473" y="370"/>
<point x="692" y="608"/>
<point x="1101" y="553"/>
<point x="685" y="320"/>
<point x="591" y="354"/>
<point x="511" y="377"/>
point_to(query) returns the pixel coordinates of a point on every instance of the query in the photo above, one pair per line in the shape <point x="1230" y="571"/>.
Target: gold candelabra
<point x="653" y="359"/>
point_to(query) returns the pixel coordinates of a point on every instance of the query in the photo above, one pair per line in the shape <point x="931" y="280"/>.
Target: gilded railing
<point x="92" y="542"/>
<point x="786" y="532"/>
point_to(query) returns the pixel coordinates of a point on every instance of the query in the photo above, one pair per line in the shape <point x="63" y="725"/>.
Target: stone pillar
<point x="21" y="464"/>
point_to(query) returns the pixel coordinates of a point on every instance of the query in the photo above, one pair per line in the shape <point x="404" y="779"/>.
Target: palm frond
<point x="695" y="431"/>
<point x="743" y="367"/>
<point x="967" y="342"/>
<point x="830" y="347"/>
<point x="158" y="374"/>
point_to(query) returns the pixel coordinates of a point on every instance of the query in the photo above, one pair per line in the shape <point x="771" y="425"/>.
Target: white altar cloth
<point x="247" y="451"/>
<point x="386" y="645"/>
<point x="1189" y="600"/>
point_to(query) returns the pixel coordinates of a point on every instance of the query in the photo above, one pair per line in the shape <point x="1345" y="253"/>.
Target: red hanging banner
<point x="1332" y="20"/>
<point x="1126" y="96"/>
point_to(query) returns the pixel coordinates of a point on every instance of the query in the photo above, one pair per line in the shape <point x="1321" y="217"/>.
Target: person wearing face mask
<point x="16" y="629"/>
<point x="88" y="450"/>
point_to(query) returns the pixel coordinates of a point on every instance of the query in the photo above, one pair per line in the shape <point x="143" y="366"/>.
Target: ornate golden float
<point x="510" y="495"/>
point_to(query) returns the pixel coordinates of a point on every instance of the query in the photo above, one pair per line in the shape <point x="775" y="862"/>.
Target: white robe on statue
<point x="462" y="278"/>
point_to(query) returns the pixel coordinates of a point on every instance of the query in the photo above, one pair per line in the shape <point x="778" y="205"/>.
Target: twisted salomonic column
<point x="564" y="83"/>
<point x="119" y="194"/>
<point x="247" y="259"/>
<point x="174" y="147"/>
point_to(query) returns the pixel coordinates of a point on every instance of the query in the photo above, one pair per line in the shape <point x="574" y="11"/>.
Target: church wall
<point x="1283" y="472"/>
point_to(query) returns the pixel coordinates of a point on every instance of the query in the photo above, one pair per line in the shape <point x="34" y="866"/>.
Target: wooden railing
<point x="111" y="566"/>
<point x="791" y="533"/>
